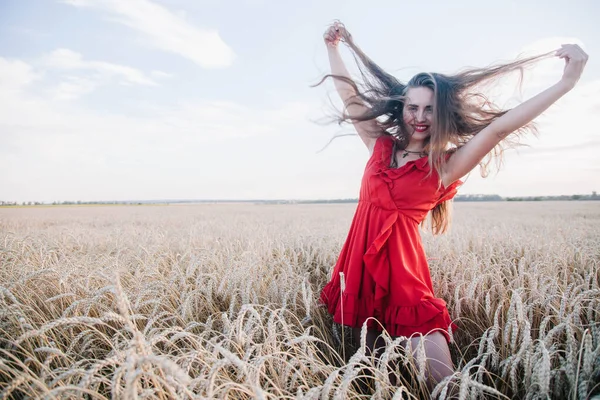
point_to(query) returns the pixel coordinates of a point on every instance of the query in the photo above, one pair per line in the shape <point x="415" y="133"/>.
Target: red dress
<point x="385" y="268"/>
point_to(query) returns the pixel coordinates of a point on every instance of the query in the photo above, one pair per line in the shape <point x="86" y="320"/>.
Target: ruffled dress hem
<point x="428" y="316"/>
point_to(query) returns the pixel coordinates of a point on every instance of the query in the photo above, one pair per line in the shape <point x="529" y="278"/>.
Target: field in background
<point x="217" y="301"/>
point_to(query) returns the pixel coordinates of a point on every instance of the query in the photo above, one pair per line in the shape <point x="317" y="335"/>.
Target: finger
<point x="568" y="51"/>
<point x="575" y="54"/>
<point x="582" y="53"/>
<point x="574" y="49"/>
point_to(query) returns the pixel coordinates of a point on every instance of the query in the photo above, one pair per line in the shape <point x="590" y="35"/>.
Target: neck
<point x="415" y="145"/>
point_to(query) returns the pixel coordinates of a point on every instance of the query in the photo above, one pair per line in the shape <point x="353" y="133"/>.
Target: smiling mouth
<point x="421" y="128"/>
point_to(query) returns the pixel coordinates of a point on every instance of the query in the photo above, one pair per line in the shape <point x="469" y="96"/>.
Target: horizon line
<point x="458" y="197"/>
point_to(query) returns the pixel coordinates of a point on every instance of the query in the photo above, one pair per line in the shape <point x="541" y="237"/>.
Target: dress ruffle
<point x="422" y="318"/>
<point x="388" y="174"/>
<point x="449" y="192"/>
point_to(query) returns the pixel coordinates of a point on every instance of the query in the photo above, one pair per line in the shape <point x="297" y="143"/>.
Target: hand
<point x="334" y="33"/>
<point x="575" y="60"/>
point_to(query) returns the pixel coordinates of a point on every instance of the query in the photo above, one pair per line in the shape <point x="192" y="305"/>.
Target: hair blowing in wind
<point x="461" y="108"/>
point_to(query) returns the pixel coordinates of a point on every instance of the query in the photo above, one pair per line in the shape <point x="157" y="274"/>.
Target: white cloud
<point x="205" y="120"/>
<point x="166" y="30"/>
<point x="161" y="74"/>
<point x="90" y="74"/>
<point x="15" y="74"/>
<point x="73" y="88"/>
<point x="70" y="60"/>
<point x="53" y="150"/>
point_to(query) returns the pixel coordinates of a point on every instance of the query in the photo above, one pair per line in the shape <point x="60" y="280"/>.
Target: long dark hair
<point x="460" y="110"/>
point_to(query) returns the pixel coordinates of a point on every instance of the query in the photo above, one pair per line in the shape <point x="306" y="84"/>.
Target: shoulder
<point x="383" y="141"/>
<point x="382" y="148"/>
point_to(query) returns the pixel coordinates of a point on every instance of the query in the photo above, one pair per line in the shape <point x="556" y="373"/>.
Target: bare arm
<point x="469" y="155"/>
<point x="352" y="104"/>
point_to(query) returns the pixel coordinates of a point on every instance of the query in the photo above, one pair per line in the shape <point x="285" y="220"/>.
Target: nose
<point x="421" y="116"/>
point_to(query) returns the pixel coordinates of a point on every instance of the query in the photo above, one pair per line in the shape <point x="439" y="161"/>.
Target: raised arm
<point x="471" y="154"/>
<point x="352" y="103"/>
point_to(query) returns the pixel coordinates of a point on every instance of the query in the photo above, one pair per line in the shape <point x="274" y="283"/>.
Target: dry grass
<point x="219" y="301"/>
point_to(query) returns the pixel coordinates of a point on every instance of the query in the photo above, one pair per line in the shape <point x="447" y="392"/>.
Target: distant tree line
<point x="459" y="198"/>
<point x="478" y="197"/>
<point x="64" y="203"/>
<point x="592" y="196"/>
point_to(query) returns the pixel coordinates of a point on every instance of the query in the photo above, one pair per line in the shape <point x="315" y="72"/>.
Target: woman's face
<point x="418" y="112"/>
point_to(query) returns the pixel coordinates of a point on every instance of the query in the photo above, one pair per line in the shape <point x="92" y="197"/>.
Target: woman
<point x="423" y="136"/>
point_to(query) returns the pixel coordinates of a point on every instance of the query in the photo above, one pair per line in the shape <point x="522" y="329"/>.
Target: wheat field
<point x="220" y="301"/>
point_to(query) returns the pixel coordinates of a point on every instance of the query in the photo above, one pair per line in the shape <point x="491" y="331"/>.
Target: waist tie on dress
<point x="375" y="260"/>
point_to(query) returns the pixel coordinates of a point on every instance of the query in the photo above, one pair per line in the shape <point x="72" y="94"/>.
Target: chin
<point x="420" y="135"/>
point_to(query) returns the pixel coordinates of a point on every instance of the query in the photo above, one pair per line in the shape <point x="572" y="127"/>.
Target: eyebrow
<point x="416" y="105"/>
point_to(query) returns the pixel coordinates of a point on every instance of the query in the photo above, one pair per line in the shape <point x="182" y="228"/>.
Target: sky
<point x="205" y="99"/>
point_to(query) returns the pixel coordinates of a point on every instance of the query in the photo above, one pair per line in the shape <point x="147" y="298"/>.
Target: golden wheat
<point x="220" y="301"/>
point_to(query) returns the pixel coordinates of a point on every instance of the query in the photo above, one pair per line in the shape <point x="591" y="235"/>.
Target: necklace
<point x="407" y="152"/>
